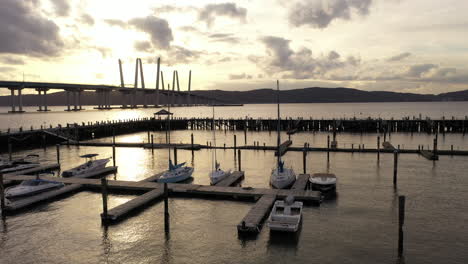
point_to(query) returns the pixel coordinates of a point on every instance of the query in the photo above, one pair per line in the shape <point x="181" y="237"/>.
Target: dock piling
<point x="2" y="195"/>
<point x="191" y="142"/>
<point x="328" y="148"/>
<point x="166" y="208"/>
<point x="175" y="155"/>
<point x="239" y="160"/>
<point x="152" y="144"/>
<point x="104" y="196"/>
<point x="304" y="160"/>
<point x="401" y="222"/>
<point x="235" y="143"/>
<point x="58" y="153"/>
<point x="395" y="168"/>
<point x="378" y="148"/>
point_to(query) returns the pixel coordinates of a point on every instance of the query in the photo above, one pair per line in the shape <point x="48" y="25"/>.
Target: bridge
<point x="151" y="96"/>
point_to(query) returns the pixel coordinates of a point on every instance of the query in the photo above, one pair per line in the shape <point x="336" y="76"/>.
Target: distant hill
<point x="263" y="96"/>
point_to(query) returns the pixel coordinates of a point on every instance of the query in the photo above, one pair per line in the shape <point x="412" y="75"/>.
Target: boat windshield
<point x="280" y="210"/>
<point x="295" y="211"/>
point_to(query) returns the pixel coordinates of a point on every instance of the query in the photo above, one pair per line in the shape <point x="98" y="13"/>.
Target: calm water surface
<point x="359" y="226"/>
<point x="434" y="110"/>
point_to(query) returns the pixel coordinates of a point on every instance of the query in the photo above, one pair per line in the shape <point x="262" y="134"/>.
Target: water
<point x="359" y="226"/>
<point x="434" y="110"/>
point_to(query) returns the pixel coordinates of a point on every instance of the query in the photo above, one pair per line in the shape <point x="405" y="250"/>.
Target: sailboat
<point x="176" y="172"/>
<point x="281" y="177"/>
<point x="217" y="174"/>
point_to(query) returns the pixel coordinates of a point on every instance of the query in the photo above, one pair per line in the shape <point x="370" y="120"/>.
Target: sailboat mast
<point x="279" y="122"/>
<point x="169" y="128"/>
<point x="214" y="139"/>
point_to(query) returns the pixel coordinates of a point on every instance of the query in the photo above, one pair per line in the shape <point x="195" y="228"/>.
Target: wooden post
<point x="58" y="153"/>
<point x="191" y="142"/>
<point x="104" y="197"/>
<point x="2" y="195"/>
<point x="10" y="150"/>
<point x="235" y="143"/>
<point x="148" y="136"/>
<point x="378" y="148"/>
<point x="304" y="160"/>
<point x="152" y="144"/>
<point x="239" y="159"/>
<point x="175" y="155"/>
<point x="328" y="148"/>
<point x="166" y="208"/>
<point x="434" y="150"/>
<point x="245" y="135"/>
<point x="401" y="222"/>
<point x="395" y="168"/>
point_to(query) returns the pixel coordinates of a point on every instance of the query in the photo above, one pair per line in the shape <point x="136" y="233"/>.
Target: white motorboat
<point x="31" y="187"/>
<point x="92" y="164"/>
<point x="178" y="172"/>
<point x="323" y="182"/>
<point x="217" y="174"/>
<point x="285" y="216"/>
<point x="281" y="177"/>
<point x="20" y="167"/>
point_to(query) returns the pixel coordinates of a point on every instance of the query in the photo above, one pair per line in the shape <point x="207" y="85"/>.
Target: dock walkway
<point x="254" y="218"/>
<point x="301" y="182"/>
<point x="232" y="179"/>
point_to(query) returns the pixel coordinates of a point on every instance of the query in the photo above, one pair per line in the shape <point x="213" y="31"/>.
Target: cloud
<point x="87" y="19"/>
<point x="61" y="7"/>
<point x="299" y="64"/>
<point x="105" y="52"/>
<point x="399" y="57"/>
<point x="418" y="70"/>
<point x="116" y="22"/>
<point x="181" y="55"/>
<point x="25" y="31"/>
<point x="143" y="46"/>
<point x="224" y="37"/>
<point x="239" y="76"/>
<point x="12" y="60"/>
<point x="209" y="13"/>
<point x="157" y="28"/>
<point x="320" y="13"/>
<point x="173" y="9"/>
<point x="6" y="69"/>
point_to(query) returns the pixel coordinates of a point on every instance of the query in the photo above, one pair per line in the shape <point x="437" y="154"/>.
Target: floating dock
<point x="301" y="182"/>
<point x="388" y="146"/>
<point x="119" y="212"/>
<point x="429" y="155"/>
<point x="283" y="148"/>
<point x="253" y="220"/>
<point x="38" y="169"/>
<point x="232" y="179"/>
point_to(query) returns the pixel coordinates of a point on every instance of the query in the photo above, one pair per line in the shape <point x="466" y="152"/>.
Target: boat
<point x="177" y="172"/>
<point x="324" y="182"/>
<point x="285" y="216"/>
<point x="19" y="164"/>
<point x="31" y="187"/>
<point x="91" y="164"/>
<point x="281" y="177"/>
<point x="217" y="174"/>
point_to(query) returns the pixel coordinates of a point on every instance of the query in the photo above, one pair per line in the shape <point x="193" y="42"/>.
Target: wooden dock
<point x="137" y="145"/>
<point x="119" y="212"/>
<point x="153" y="178"/>
<point x="388" y="146"/>
<point x="283" y="148"/>
<point x="253" y="220"/>
<point x="233" y="179"/>
<point x="429" y="155"/>
<point x="301" y="182"/>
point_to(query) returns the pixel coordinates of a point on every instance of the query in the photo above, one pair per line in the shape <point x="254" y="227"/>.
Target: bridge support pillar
<point x="68" y="100"/>
<point x="79" y="100"/>
<point x="42" y="99"/>
<point x="13" y="100"/>
<point x="75" y="106"/>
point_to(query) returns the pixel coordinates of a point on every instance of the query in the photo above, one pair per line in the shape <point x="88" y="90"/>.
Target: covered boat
<point x="31" y="187"/>
<point x="92" y="164"/>
<point x="324" y="182"/>
<point x="286" y="216"/>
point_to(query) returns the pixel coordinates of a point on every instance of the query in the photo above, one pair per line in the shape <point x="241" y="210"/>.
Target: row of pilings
<point x="33" y="138"/>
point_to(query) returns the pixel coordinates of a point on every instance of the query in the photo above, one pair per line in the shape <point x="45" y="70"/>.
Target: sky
<point x="417" y="46"/>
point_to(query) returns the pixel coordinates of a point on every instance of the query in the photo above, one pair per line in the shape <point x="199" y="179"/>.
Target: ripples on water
<point x="359" y="226"/>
